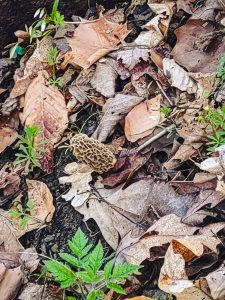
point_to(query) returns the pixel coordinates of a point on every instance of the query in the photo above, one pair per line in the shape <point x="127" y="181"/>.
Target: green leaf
<point x="14" y="213"/>
<point x="70" y="259"/>
<point x="61" y="273"/>
<point x="78" y="244"/>
<point x="12" y="51"/>
<point x="54" y="8"/>
<point x="95" y="259"/>
<point x="121" y="272"/>
<point x="108" y="269"/>
<point x="116" y="288"/>
<point x="71" y="298"/>
<point x="20" y="208"/>
<point x="30" y="204"/>
<point x="89" y="277"/>
<point x="23" y="222"/>
<point x="95" y="295"/>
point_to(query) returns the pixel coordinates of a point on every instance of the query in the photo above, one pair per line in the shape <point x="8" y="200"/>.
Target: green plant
<point x="216" y="120"/>
<point x="38" y="28"/>
<point x="221" y="69"/>
<point x="22" y="215"/>
<point x="28" y="149"/>
<point x="87" y="276"/>
<point x="53" y="59"/>
<point x="166" y="110"/>
<point x="16" y="51"/>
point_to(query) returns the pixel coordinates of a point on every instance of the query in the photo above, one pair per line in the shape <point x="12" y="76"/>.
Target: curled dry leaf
<point x="45" y="107"/>
<point x="35" y="63"/>
<point x="104" y="78"/>
<point x="79" y="175"/>
<point x="173" y="278"/>
<point x="114" y="110"/>
<point x="142" y="119"/>
<point x="93" y="40"/>
<point x="198" y="52"/>
<point x="178" y="76"/>
<point x="8" y="129"/>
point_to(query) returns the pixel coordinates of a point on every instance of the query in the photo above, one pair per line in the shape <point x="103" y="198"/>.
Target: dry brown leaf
<point x="201" y="52"/>
<point x="114" y="110"/>
<point x="115" y="15"/>
<point x="8" y="129"/>
<point x="142" y="119"/>
<point x="183" y="154"/>
<point x="216" y="283"/>
<point x="8" y="106"/>
<point x="10" y="179"/>
<point x="43" y="211"/>
<point x="178" y="76"/>
<point x="139" y="298"/>
<point x="45" y="107"/>
<point x="206" y="200"/>
<point x="173" y="278"/>
<point x="35" y="292"/>
<point x="131" y="57"/>
<point x="92" y="41"/>
<point x="104" y="78"/>
<point x="185" y="5"/>
<point x="35" y="63"/>
<point x="154" y="242"/>
<point x="79" y="177"/>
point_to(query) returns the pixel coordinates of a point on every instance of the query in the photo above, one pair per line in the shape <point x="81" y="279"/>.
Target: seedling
<point x="29" y="151"/>
<point x="38" y="28"/>
<point x="22" y="215"/>
<point x="53" y="60"/>
<point x="216" y="120"/>
<point x="84" y="272"/>
<point x="166" y="110"/>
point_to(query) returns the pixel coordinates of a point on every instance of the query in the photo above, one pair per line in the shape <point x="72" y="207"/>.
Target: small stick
<point x="162" y="90"/>
<point x="156" y="137"/>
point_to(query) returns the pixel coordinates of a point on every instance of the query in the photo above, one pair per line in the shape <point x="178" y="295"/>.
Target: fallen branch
<point x="156" y="137"/>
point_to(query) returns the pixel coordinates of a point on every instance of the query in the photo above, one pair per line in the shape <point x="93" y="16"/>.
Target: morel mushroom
<point x="92" y="153"/>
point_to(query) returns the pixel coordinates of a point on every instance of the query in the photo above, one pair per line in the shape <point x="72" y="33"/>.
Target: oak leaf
<point x="45" y="107"/>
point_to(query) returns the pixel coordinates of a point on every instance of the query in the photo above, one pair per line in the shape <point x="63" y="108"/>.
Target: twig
<point x="156" y="137"/>
<point x="162" y="90"/>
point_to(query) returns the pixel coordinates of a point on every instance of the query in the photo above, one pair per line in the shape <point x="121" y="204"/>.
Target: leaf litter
<point x="126" y="114"/>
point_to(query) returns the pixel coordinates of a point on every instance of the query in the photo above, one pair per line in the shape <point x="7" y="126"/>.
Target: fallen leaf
<point x="204" y="203"/>
<point x="92" y="41"/>
<point x="139" y="298"/>
<point x="209" y="10"/>
<point x="79" y="175"/>
<point x="8" y="129"/>
<point x="201" y="52"/>
<point x="178" y="76"/>
<point x="173" y="278"/>
<point x="8" y="106"/>
<point x="45" y="107"/>
<point x="104" y="78"/>
<point x="44" y="209"/>
<point x="142" y="119"/>
<point x="113" y="111"/>
<point x="185" y="5"/>
<point x="131" y="57"/>
<point x="10" y="178"/>
<point x="34" y="291"/>
<point x="216" y="282"/>
<point x="35" y="63"/>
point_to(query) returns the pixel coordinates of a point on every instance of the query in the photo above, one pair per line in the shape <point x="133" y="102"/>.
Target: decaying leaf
<point x="10" y="179"/>
<point x="173" y="278"/>
<point x="34" y="64"/>
<point x="35" y="292"/>
<point x="45" y="107"/>
<point x="79" y="177"/>
<point x="178" y="76"/>
<point x="114" y="110"/>
<point x="44" y="209"/>
<point x="93" y="40"/>
<point x="8" y="129"/>
<point x="104" y="78"/>
<point x="142" y="119"/>
<point x="139" y="298"/>
<point x="131" y="57"/>
<point x="198" y="52"/>
<point x="216" y="282"/>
